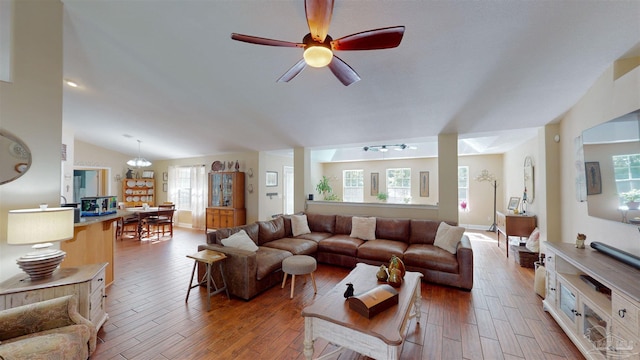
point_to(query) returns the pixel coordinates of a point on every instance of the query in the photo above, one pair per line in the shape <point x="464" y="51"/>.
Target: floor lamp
<point x="486" y="176"/>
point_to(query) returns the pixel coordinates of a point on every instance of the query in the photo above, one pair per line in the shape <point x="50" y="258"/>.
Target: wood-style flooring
<point x="501" y="318"/>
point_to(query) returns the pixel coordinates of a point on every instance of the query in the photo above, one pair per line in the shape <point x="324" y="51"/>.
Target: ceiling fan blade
<point x="293" y="71"/>
<point x="343" y="71"/>
<point x="383" y="38"/>
<point x="318" y="17"/>
<point x="264" y="41"/>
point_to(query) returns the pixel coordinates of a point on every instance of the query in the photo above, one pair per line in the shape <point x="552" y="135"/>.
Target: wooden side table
<point x="86" y="282"/>
<point x="514" y="225"/>
<point x="208" y="257"/>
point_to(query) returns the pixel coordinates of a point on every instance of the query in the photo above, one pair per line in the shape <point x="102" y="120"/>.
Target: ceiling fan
<point x="319" y="46"/>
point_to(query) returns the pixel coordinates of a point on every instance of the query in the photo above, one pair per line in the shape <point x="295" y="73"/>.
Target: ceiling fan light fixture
<point x="317" y="56"/>
<point x="384" y="148"/>
<point x="139" y="161"/>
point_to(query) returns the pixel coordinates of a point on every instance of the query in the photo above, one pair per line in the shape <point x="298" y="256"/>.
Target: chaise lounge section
<point x="332" y="240"/>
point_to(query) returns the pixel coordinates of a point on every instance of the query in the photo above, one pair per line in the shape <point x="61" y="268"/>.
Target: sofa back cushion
<point x="343" y="224"/>
<point x="393" y="229"/>
<point x="424" y="231"/>
<point x="271" y="230"/>
<point x="321" y="223"/>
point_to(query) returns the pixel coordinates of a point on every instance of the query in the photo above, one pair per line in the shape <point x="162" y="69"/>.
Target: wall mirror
<point x="15" y="157"/>
<point x="528" y="179"/>
<point x="612" y="168"/>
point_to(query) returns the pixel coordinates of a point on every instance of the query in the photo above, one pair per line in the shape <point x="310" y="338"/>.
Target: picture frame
<point x="272" y="178"/>
<point x="514" y="201"/>
<point x="147" y="174"/>
<point x="424" y="184"/>
<point x="593" y="177"/>
<point x="165" y="176"/>
<point x="164" y="187"/>
<point x="375" y="184"/>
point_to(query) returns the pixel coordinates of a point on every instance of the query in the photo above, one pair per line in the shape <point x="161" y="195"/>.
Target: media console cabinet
<point x="595" y="299"/>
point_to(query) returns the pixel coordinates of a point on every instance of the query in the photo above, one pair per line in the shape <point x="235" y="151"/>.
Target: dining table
<point x="143" y="213"/>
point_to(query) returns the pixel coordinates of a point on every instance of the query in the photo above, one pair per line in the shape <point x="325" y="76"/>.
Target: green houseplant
<point x="324" y="188"/>
<point x="631" y="198"/>
<point x="382" y="196"/>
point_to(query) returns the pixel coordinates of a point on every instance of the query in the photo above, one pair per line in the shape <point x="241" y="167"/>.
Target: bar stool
<point x="208" y="257"/>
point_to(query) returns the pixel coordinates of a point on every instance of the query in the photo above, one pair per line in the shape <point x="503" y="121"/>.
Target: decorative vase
<point x="395" y="278"/>
<point x="237" y="166"/>
<point x="633" y="205"/>
<point x="382" y="274"/>
<point x="396" y="263"/>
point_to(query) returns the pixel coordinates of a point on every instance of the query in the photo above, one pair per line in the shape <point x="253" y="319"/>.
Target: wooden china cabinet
<point x="226" y="200"/>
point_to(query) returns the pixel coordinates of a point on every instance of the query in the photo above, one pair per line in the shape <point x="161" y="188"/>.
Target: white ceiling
<point x="167" y="73"/>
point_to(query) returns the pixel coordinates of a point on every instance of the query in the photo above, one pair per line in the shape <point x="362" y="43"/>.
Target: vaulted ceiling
<point x="168" y="74"/>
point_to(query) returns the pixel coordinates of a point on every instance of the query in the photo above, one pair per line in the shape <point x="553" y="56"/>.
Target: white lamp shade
<point x="33" y="226"/>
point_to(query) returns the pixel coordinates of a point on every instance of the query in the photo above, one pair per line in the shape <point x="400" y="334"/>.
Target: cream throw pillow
<point x="299" y="225"/>
<point x="240" y="240"/>
<point x="448" y="237"/>
<point x="533" y="242"/>
<point x="363" y="228"/>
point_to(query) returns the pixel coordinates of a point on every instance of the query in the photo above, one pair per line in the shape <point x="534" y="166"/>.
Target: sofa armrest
<point x="464" y="256"/>
<point x="50" y="314"/>
<point x="240" y="268"/>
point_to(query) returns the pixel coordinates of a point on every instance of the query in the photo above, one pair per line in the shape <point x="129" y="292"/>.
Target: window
<point x="463" y="185"/>
<point x="627" y="173"/>
<point x="398" y="185"/>
<point x="353" y="185"/>
<point x="182" y="195"/>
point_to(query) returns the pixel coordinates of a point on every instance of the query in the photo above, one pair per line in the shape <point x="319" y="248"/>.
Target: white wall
<point x="31" y="108"/>
<point x="605" y="100"/>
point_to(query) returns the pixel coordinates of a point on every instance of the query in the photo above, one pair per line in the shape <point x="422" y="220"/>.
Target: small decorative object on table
<point x="580" y="240"/>
<point x="374" y="301"/>
<point x="382" y="274"/>
<point x="396" y="263"/>
<point x="349" y="292"/>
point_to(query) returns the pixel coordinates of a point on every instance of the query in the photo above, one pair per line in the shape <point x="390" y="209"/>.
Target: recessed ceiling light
<point x="71" y="83"/>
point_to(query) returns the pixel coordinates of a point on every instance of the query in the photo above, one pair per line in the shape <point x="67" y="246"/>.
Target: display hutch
<point x="226" y="200"/>
<point x="136" y="192"/>
<point x="595" y="299"/>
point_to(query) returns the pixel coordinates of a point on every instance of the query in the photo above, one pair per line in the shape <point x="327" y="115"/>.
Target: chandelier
<point x="139" y="161"/>
<point x="385" y="148"/>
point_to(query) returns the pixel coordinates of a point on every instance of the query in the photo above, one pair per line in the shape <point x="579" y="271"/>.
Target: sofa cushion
<point x="223" y="233"/>
<point x="533" y="242"/>
<point x="269" y="260"/>
<point x="299" y="225"/>
<point x="393" y="229"/>
<point x="315" y="236"/>
<point x="343" y="224"/>
<point x="240" y="240"/>
<point x="321" y="223"/>
<point x="296" y="246"/>
<point x="340" y="244"/>
<point x="69" y="342"/>
<point x="430" y="257"/>
<point x="423" y="231"/>
<point x="381" y="249"/>
<point x="363" y="228"/>
<point x="448" y="237"/>
<point x="270" y="230"/>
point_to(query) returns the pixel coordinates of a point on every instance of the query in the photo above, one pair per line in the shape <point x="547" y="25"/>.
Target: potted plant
<point x="632" y="198"/>
<point x="382" y="197"/>
<point x="324" y="188"/>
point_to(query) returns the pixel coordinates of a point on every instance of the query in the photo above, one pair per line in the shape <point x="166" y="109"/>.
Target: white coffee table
<point x="380" y="337"/>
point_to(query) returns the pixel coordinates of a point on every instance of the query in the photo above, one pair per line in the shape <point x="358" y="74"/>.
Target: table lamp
<point x="40" y="227"/>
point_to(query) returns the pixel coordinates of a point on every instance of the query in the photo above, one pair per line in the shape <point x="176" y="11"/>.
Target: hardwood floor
<point x="501" y="318"/>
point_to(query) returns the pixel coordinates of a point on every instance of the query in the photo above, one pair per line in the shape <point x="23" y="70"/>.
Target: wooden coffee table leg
<point x="308" y="338"/>
<point x="417" y="302"/>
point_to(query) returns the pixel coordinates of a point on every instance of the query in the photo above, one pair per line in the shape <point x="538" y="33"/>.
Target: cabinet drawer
<point x="97" y="306"/>
<point x="622" y="344"/>
<point x="625" y="312"/>
<point x="97" y="282"/>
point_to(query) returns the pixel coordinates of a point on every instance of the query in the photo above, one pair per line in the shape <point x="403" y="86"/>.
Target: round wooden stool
<point x="298" y="265"/>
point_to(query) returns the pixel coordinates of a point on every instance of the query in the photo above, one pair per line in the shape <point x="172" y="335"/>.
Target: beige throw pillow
<point x="363" y="228"/>
<point x="299" y="225"/>
<point x="448" y="237"/>
<point x="533" y="242"/>
<point x="240" y="240"/>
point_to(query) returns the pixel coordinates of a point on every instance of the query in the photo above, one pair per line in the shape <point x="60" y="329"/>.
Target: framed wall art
<point x="375" y="183"/>
<point x="592" y="174"/>
<point x="424" y="184"/>
<point x="272" y="178"/>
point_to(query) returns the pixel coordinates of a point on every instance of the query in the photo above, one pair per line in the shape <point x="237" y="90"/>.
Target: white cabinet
<point x="593" y="300"/>
<point x="86" y="282"/>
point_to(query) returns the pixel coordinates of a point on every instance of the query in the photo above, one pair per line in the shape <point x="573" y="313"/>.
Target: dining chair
<point x="161" y="220"/>
<point x="128" y="225"/>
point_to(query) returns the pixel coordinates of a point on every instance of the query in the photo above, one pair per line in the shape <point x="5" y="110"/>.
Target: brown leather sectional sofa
<point x="248" y="273"/>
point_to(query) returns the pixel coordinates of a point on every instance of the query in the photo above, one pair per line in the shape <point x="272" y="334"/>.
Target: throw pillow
<point x="299" y="225"/>
<point x="533" y="242"/>
<point x="448" y="237"/>
<point x="363" y="228"/>
<point x="240" y="240"/>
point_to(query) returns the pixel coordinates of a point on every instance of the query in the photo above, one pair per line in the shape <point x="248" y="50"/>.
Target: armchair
<point x="46" y="330"/>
